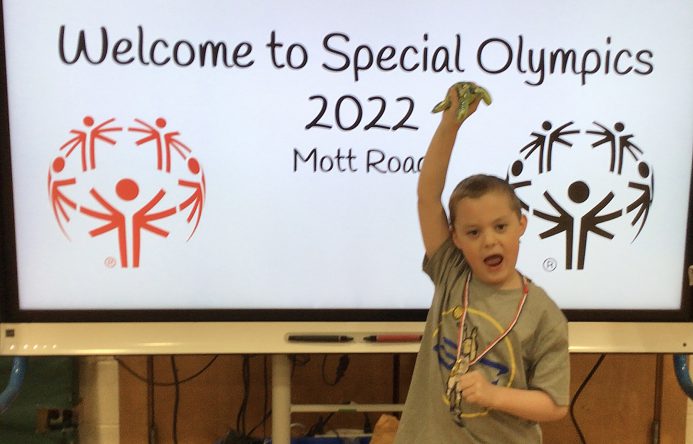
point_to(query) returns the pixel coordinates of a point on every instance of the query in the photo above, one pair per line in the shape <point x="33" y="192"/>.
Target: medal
<point x="461" y="366"/>
<point x="464" y="360"/>
<point x="453" y="393"/>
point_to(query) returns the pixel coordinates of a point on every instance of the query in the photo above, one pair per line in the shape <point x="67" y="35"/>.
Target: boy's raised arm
<point x="432" y="218"/>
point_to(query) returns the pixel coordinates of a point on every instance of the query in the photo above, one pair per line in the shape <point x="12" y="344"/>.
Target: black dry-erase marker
<point x="320" y="338"/>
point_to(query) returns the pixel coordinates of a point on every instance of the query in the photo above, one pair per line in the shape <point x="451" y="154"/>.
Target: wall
<point x="620" y="404"/>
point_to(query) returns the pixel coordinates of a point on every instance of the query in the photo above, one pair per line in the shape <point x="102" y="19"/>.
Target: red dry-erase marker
<point x="394" y="338"/>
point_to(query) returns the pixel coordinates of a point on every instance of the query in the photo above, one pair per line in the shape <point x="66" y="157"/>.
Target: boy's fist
<point x="468" y="96"/>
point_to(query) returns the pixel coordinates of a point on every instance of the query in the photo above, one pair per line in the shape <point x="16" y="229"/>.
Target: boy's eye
<point x="472" y="232"/>
<point x="501" y="227"/>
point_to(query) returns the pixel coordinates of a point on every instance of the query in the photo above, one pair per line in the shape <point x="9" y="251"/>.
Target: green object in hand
<point x="467" y="93"/>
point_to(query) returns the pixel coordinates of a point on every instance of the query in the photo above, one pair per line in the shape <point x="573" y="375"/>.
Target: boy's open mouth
<point x="493" y="260"/>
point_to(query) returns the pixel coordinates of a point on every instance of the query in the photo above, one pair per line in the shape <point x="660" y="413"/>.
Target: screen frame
<point x="11" y="313"/>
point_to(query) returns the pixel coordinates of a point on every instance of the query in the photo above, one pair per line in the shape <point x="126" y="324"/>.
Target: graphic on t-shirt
<point x="125" y="184"/>
<point x="597" y="187"/>
<point x="497" y="372"/>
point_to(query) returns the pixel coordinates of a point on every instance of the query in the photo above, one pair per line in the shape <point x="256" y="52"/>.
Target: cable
<point x="657" y="408"/>
<point x="266" y="409"/>
<point x="167" y="384"/>
<point x="262" y="422"/>
<point x="319" y="427"/>
<point x="339" y="373"/>
<point x="149" y="380"/>
<point x="396" y="365"/>
<point x="176" y="399"/>
<point x="240" y="418"/>
<point x="367" y="426"/>
<point x="298" y="361"/>
<point x="151" y="419"/>
<point x="577" y="394"/>
<point x="265" y="405"/>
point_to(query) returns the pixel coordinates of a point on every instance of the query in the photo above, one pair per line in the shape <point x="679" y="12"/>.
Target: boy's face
<point x="488" y="232"/>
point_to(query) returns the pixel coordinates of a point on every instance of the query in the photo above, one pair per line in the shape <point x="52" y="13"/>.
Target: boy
<point x="494" y="358"/>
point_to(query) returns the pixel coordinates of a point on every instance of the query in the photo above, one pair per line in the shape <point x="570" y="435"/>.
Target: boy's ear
<point x="453" y="235"/>
<point x="523" y="224"/>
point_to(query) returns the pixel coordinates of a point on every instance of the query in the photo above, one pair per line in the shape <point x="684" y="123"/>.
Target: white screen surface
<point x="335" y="231"/>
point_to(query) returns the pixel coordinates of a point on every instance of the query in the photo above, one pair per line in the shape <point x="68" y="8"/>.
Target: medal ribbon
<point x="465" y="306"/>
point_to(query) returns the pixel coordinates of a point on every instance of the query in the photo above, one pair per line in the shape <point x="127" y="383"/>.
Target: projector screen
<point x="258" y="160"/>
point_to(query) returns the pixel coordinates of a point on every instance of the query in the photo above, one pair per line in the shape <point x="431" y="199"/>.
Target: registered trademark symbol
<point x="110" y="262"/>
<point x="550" y="264"/>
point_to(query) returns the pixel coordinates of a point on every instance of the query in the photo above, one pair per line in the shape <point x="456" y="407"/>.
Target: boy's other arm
<point x="432" y="218"/>
<point x="534" y="405"/>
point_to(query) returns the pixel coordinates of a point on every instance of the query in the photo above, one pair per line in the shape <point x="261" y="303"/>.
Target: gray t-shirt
<point x="534" y="355"/>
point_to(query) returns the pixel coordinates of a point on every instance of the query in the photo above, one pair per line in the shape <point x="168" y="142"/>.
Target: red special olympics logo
<point x="125" y="185"/>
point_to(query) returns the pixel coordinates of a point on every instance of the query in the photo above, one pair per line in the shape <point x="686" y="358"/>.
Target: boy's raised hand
<point x="461" y="101"/>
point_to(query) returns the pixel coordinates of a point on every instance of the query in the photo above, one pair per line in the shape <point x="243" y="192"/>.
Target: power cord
<point x="151" y="419"/>
<point x="577" y="394"/>
<point x="166" y="384"/>
<point x="266" y="409"/>
<point x="340" y="371"/>
<point x="367" y="427"/>
<point x="149" y="380"/>
<point x="298" y="361"/>
<point x="234" y="437"/>
<point x="239" y="435"/>
<point x="319" y="427"/>
<point x="176" y="398"/>
<point x="240" y="418"/>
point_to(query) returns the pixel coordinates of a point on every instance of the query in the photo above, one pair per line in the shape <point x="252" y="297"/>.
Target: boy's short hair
<point x="476" y="186"/>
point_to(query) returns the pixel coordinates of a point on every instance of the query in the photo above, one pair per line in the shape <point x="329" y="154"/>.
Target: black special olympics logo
<point x="123" y="184"/>
<point x="582" y="183"/>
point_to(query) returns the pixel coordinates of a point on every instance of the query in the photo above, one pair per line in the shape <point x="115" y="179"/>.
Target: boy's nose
<point x="489" y="239"/>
